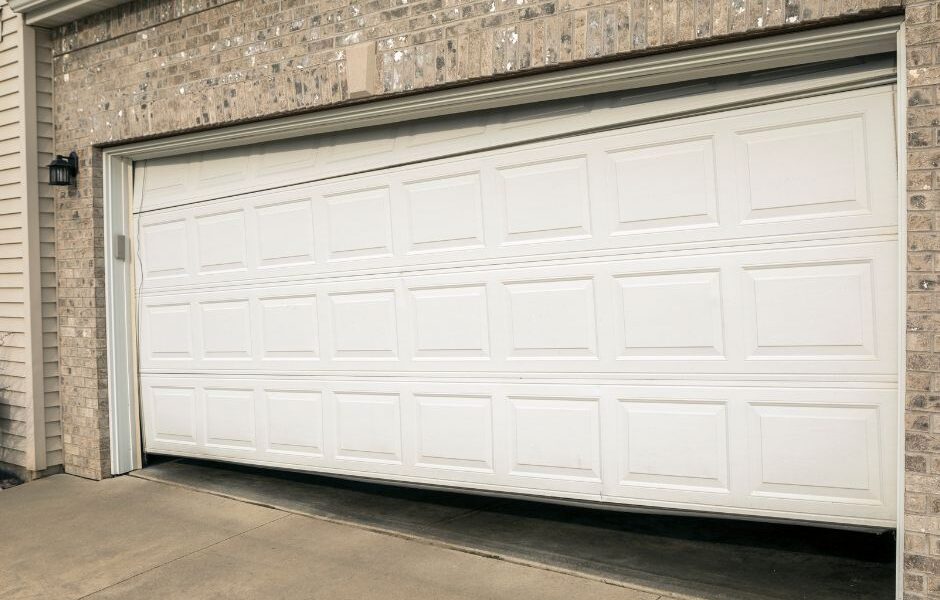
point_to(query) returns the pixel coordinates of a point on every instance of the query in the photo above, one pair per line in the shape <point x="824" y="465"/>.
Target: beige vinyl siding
<point x="30" y="429"/>
<point x="14" y="420"/>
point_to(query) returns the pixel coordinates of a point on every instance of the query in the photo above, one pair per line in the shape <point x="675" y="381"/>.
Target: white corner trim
<point x="119" y="313"/>
<point x="781" y="51"/>
<point x="901" y="118"/>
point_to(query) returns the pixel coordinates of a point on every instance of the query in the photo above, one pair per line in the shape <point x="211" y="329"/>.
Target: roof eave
<point x="52" y="13"/>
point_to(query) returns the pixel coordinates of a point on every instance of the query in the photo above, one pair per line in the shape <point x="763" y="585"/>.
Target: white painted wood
<point x="634" y="316"/>
<point x="124" y="416"/>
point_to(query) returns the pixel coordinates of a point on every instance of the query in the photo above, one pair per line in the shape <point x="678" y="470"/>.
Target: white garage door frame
<point x="777" y="52"/>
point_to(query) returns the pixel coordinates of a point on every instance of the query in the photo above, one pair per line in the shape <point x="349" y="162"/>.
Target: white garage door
<point x="699" y="313"/>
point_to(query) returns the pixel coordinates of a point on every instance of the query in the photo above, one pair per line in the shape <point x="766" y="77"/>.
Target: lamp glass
<point x="61" y="171"/>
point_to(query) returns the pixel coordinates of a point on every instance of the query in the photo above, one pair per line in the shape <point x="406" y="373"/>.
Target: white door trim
<point x="901" y="117"/>
<point x="814" y="46"/>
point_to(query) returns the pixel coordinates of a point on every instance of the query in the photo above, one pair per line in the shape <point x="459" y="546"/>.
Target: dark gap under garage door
<point x="705" y="557"/>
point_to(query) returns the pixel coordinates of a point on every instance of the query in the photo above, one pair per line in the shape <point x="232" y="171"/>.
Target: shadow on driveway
<point x="705" y="557"/>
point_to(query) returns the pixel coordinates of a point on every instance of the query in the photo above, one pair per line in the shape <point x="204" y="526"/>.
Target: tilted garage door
<point x="698" y="313"/>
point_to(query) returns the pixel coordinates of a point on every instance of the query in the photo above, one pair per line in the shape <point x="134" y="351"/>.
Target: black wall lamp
<point x="63" y="169"/>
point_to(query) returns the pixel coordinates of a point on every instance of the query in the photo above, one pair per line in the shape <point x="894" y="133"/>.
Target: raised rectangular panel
<point x="368" y="427"/>
<point x="805" y="170"/>
<point x="174" y="414"/>
<point x="552" y="319"/>
<point x="226" y="329"/>
<point x="812" y="310"/>
<point x="455" y="432"/>
<point x="289" y="327"/>
<point x="295" y="422"/>
<point x="670" y="315"/>
<point x="674" y="444"/>
<point x="222" y="168"/>
<point x="164" y="176"/>
<point x="169" y="331"/>
<point x="221" y="239"/>
<point x="286" y="156"/>
<point x="364" y="325"/>
<point x="547" y="200"/>
<point x="555" y="437"/>
<point x="445" y="213"/>
<point x="666" y="186"/>
<point x="360" y="143"/>
<point x="360" y="224"/>
<point x="230" y="418"/>
<point x="164" y="249"/>
<point x="815" y="452"/>
<point x="285" y="233"/>
<point x="450" y="322"/>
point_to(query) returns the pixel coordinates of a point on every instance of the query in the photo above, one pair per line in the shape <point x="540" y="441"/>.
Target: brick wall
<point x="157" y="67"/>
<point x="83" y="364"/>
<point x="922" y="458"/>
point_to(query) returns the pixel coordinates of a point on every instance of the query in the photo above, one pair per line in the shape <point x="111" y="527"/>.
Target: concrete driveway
<point x="65" y="537"/>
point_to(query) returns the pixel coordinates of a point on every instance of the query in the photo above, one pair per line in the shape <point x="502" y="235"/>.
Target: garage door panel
<point x="223" y="330"/>
<point x="554" y="319"/>
<point x="723" y="182"/>
<point x="825" y="309"/>
<point x="700" y="313"/>
<point x="673" y="444"/>
<point x="768" y="449"/>
<point x="285" y="233"/>
<point x="294" y="422"/>
<point x="444" y="213"/>
<point x="825" y="170"/>
<point x="450" y="321"/>
<point x="167" y="243"/>
<point x="670" y="315"/>
<point x="289" y="327"/>
<point x="454" y="431"/>
<point x="166" y="183"/>
<point x="845" y="436"/>
<point x="358" y="224"/>
<point x="229" y="418"/>
<point x="172" y="412"/>
<point x="649" y="197"/>
<point x="848" y="434"/>
<point x="817" y="309"/>
<point x="363" y="325"/>
<point x="554" y="436"/>
<point x="221" y="241"/>
<point x="368" y="426"/>
<point x="545" y="199"/>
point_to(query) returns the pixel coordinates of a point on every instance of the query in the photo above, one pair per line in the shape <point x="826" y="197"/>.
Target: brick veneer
<point x="158" y="67"/>
<point x="922" y="408"/>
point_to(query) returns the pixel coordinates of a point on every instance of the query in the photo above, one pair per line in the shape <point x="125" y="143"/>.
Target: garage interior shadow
<point x="701" y="556"/>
